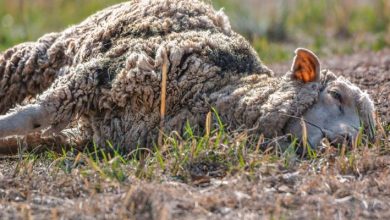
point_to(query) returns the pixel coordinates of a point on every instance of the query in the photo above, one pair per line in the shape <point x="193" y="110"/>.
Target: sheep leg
<point x="23" y="120"/>
<point x="28" y="69"/>
<point x="66" y="139"/>
<point x="69" y="96"/>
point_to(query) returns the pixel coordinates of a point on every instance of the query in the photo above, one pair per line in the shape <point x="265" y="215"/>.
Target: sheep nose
<point x="339" y="140"/>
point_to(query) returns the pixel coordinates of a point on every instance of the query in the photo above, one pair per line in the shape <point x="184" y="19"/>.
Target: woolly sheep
<point x="105" y="74"/>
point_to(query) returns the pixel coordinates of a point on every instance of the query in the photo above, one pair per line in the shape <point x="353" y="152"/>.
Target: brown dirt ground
<point x="310" y="190"/>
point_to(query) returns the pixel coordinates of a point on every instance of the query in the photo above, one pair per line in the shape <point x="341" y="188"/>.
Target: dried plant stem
<point x="208" y="124"/>
<point x="163" y="98"/>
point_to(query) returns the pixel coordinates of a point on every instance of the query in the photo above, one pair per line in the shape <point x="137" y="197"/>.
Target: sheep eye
<point x="335" y="95"/>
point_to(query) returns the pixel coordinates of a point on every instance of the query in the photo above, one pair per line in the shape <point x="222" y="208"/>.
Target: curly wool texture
<point x="108" y="75"/>
<point x="28" y="69"/>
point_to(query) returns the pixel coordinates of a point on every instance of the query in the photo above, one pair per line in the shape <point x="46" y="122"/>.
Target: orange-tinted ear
<point x="306" y="66"/>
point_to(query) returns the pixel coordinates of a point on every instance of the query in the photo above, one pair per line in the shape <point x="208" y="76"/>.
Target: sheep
<point x="105" y="75"/>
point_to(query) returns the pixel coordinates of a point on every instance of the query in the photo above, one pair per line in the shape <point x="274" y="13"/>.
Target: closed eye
<point x="336" y="95"/>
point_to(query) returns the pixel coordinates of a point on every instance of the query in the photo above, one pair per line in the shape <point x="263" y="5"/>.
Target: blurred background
<point x="274" y="27"/>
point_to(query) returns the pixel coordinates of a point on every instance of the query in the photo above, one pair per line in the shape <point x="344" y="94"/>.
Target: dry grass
<point x="220" y="175"/>
<point x="164" y="74"/>
<point x="199" y="177"/>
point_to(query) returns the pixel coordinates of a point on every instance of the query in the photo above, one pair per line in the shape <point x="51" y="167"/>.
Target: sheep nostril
<point x="36" y="126"/>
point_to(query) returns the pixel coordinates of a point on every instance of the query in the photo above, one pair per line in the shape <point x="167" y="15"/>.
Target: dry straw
<point x="163" y="98"/>
<point x="208" y="124"/>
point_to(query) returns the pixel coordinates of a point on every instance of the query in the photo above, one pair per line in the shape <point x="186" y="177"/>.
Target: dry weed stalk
<point x="163" y="99"/>
<point x="208" y="124"/>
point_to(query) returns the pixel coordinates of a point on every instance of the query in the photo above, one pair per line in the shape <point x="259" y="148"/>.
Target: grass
<point x="210" y="173"/>
<point x="273" y="40"/>
<point x="192" y="159"/>
<point x="23" y="20"/>
<point x="219" y="170"/>
<point x="193" y="176"/>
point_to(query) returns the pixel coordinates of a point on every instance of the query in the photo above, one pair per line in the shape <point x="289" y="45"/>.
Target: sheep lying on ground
<point x="106" y="74"/>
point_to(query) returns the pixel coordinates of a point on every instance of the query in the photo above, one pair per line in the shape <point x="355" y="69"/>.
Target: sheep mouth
<point x="332" y="139"/>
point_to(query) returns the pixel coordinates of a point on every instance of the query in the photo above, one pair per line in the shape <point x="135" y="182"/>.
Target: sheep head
<point x="340" y="110"/>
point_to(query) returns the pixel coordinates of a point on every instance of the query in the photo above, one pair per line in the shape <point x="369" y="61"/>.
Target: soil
<point x="322" y="189"/>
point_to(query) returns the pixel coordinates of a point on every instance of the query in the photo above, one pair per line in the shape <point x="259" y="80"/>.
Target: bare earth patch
<point x="355" y="185"/>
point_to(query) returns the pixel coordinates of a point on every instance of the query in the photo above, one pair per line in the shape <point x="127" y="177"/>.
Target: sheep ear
<point x="306" y="66"/>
